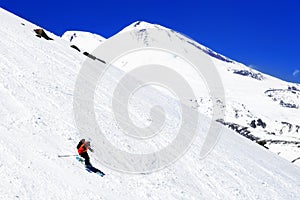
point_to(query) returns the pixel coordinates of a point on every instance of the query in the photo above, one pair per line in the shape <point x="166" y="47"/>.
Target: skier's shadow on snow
<point x="93" y="169"/>
<point x="90" y="168"/>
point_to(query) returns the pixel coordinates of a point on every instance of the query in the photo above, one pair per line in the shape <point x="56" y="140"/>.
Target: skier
<point x="82" y="147"/>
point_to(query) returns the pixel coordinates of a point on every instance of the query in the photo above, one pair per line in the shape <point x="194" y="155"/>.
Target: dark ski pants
<point x="86" y="157"/>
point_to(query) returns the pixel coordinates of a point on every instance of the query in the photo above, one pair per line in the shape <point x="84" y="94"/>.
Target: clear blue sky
<point x="264" y="34"/>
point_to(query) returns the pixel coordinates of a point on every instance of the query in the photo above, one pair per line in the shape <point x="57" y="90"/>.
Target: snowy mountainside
<point x="37" y="79"/>
<point x="252" y="98"/>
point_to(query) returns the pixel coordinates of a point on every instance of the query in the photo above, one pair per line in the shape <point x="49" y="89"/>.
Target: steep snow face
<point x="37" y="79"/>
<point x="260" y="107"/>
<point x="85" y="41"/>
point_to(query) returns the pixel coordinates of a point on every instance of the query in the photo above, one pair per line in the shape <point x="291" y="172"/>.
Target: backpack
<point x="79" y="144"/>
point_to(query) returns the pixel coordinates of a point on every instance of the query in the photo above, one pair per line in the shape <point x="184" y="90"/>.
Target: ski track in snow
<point x="37" y="79"/>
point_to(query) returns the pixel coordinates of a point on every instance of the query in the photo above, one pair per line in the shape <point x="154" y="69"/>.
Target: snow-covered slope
<point x="37" y="79"/>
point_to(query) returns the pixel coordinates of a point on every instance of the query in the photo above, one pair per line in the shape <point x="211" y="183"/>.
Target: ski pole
<point x="60" y="156"/>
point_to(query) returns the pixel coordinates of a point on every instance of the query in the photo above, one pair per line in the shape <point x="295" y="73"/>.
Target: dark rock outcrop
<point x="257" y="76"/>
<point x="75" y="47"/>
<point x="42" y="34"/>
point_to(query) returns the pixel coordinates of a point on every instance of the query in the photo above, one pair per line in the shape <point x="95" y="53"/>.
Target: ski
<point x="90" y="168"/>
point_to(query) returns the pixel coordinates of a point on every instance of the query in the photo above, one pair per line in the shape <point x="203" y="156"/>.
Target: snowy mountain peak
<point x="141" y="27"/>
<point x="84" y="41"/>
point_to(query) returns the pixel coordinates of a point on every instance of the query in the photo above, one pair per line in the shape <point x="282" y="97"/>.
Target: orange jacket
<point x="82" y="149"/>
